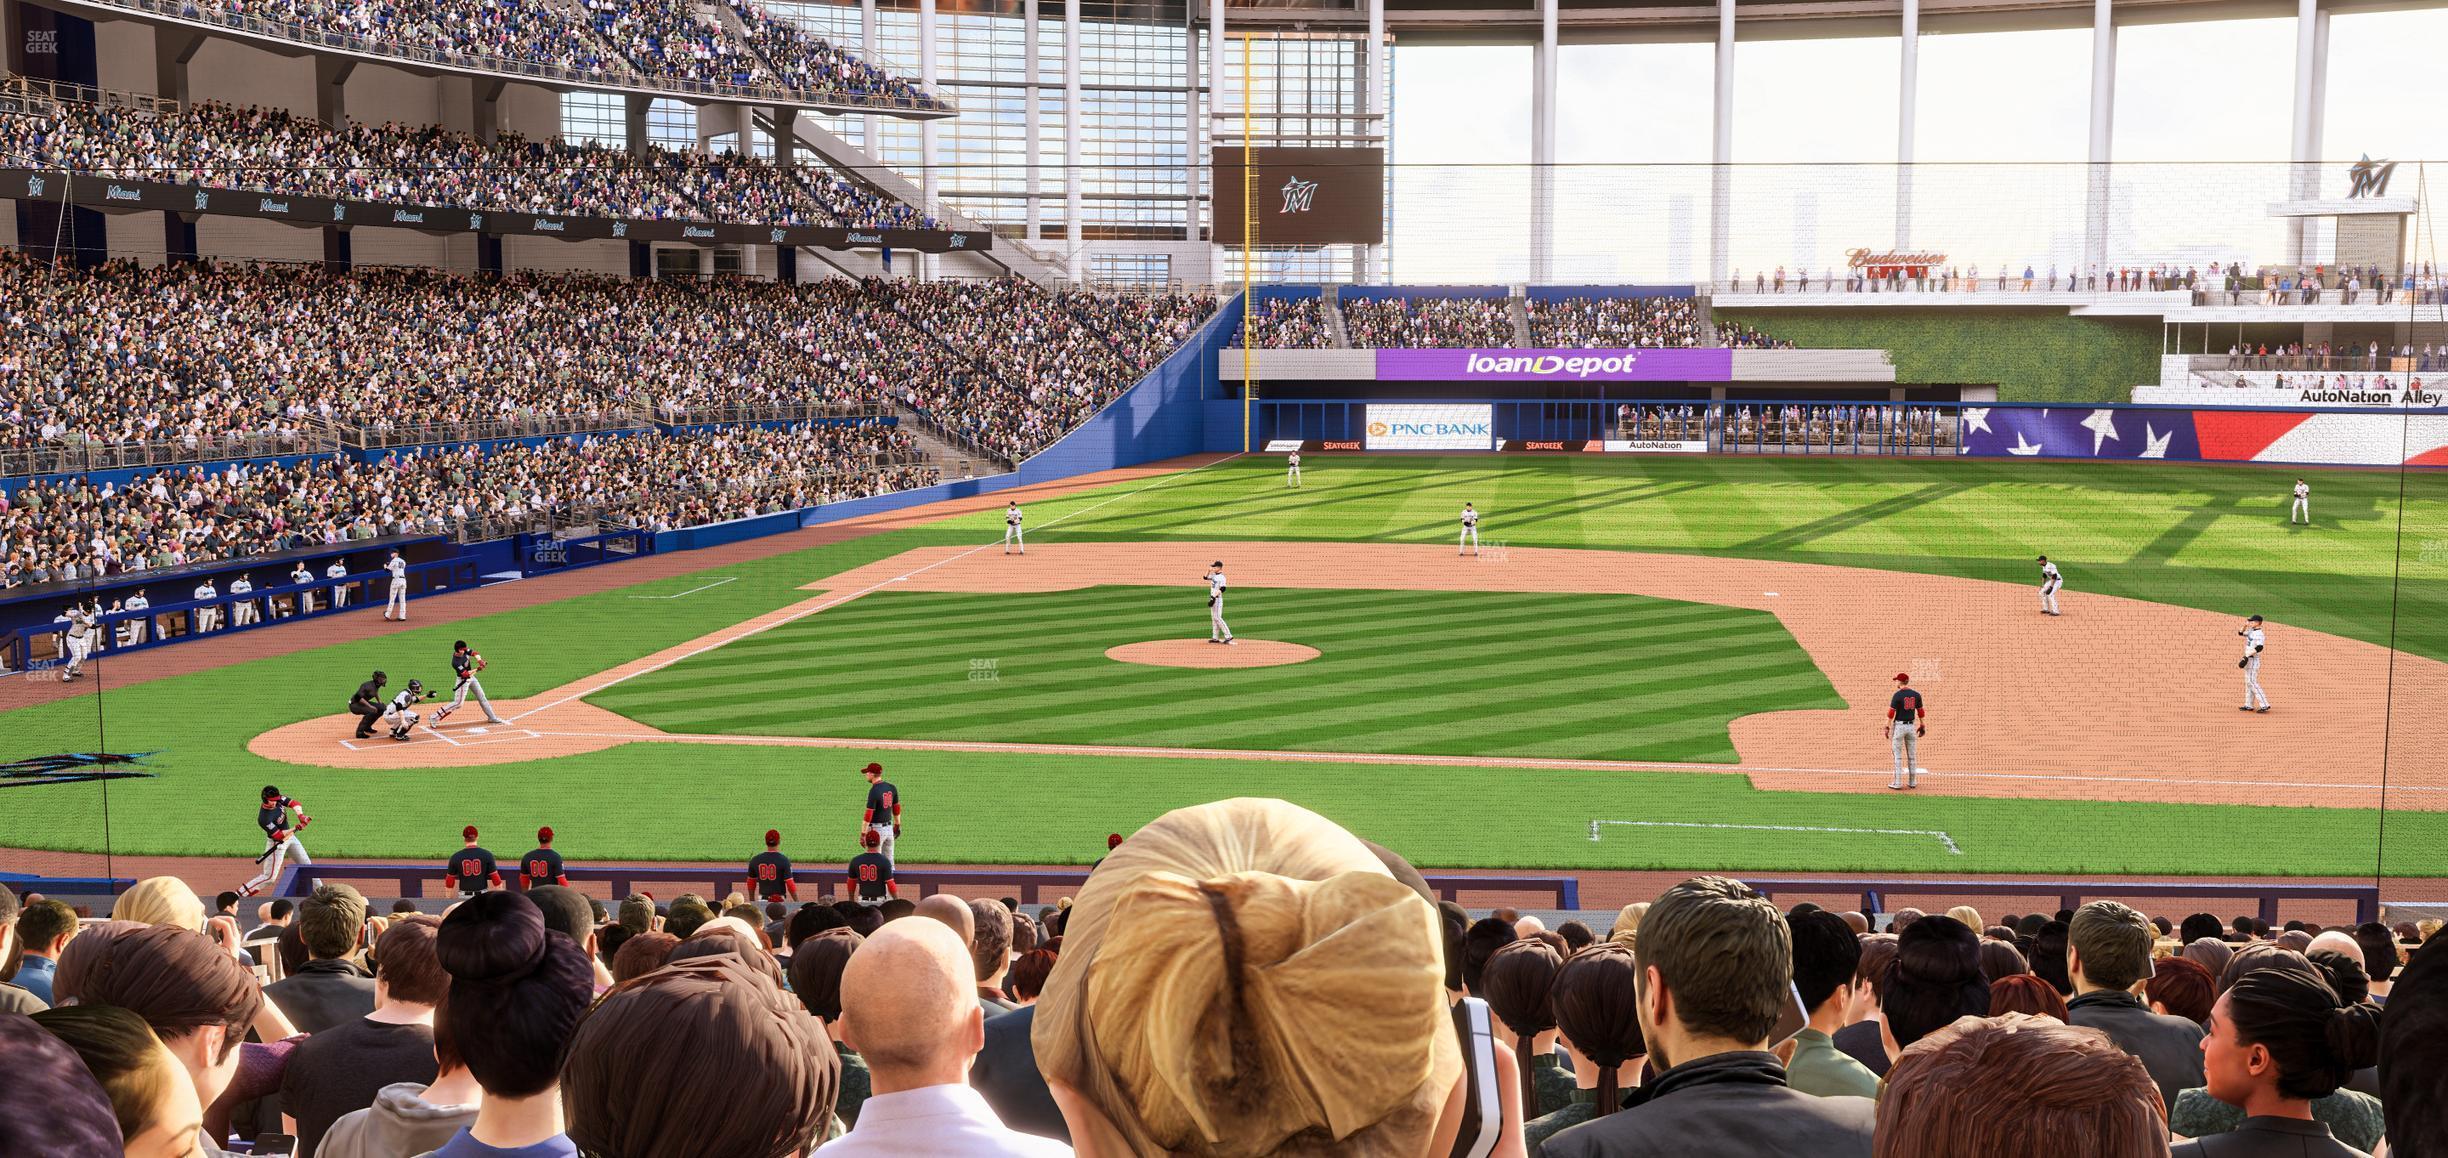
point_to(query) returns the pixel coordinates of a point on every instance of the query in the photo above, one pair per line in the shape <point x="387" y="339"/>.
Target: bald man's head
<point x="909" y="1005"/>
<point x="2338" y="942"/>
<point x="954" y="913"/>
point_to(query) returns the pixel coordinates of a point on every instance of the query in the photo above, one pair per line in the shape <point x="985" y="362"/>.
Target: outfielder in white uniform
<point x="82" y="632"/>
<point x="337" y="572"/>
<point x="398" y="568"/>
<point x="1292" y="470"/>
<point x="400" y="713"/>
<point x="2303" y="504"/>
<point x="1011" y="530"/>
<point x="208" y="617"/>
<point x="303" y="601"/>
<point x="2050" y="581"/>
<point x="242" y="612"/>
<point x="280" y="840"/>
<point x="1217" y="632"/>
<point x="133" y="631"/>
<point x="1470" y="530"/>
<point x="2251" y="663"/>
<point x="465" y="663"/>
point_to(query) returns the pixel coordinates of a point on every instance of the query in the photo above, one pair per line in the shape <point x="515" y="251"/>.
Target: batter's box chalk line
<point x="1943" y="838"/>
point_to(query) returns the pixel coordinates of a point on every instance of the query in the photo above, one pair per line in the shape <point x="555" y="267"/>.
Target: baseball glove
<point x="2242" y="662"/>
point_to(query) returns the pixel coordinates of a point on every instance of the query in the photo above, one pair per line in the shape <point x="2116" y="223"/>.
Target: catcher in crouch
<point x="400" y="712"/>
<point x="464" y="665"/>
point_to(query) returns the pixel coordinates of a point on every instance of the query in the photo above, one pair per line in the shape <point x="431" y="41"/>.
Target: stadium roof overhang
<point x="1462" y="22"/>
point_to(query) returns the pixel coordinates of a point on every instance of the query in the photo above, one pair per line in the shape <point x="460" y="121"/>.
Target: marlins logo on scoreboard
<point x="1298" y="195"/>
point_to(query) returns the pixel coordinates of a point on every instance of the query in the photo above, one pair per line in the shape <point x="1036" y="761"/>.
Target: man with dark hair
<point x="2108" y="952"/>
<point x="1716" y="961"/>
<point x="2379" y="956"/>
<point x="542" y="866"/>
<point x="272" y="917"/>
<point x="472" y="869"/>
<point x="689" y="912"/>
<point x="13" y="999"/>
<point x="330" y="988"/>
<point x="342" y="1068"/>
<point x="44" y="928"/>
<point x="990" y="940"/>
<point x="2414" y="1056"/>
<point x="769" y="872"/>
<point x="1480" y="942"/>
<point x="871" y="872"/>
<point x="1825" y="957"/>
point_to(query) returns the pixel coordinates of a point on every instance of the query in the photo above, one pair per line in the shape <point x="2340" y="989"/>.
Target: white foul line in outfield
<point x="871" y="588"/>
<point x="1943" y="838"/>
<point x="692" y="590"/>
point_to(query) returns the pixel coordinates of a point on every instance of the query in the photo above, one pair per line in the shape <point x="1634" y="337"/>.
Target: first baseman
<point x="1470" y="530"/>
<point x="280" y="840"/>
<point x="2251" y="663"/>
<point x="1907" y="722"/>
<point x="2302" y="511"/>
<point x="465" y="663"/>
<point x="1011" y="530"/>
<point x="1292" y="470"/>
<point x="1217" y="632"/>
<point x="398" y="568"/>
<point x="2050" y="581"/>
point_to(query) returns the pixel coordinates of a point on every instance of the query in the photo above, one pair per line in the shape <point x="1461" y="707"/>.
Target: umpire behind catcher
<point x="367" y="704"/>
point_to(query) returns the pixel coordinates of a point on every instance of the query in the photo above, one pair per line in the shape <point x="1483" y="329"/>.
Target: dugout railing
<point x="1876" y="896"/>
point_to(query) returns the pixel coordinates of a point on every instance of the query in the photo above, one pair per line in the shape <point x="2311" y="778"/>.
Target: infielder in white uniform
<point x="399" y="712"/>
<point x="1470" y="530"/>
<point x="1217" y="632"/>
<point x="208" y="617"/>
<point x="398" y="568"/>
<point x="2303" y="504"/>
<point x="337" y="572"/>
<point x="1292" y="470"/>
<point x="2050" y="581"/>
<point x="82" y="632"/>
<point x="242" y="612"/>
<point x="2251" y="663"/>
<point x="133" y="631"/>
<point x="465" y="663"/>
<point x="1011" y="530"/>
<point x="303" y="601"/>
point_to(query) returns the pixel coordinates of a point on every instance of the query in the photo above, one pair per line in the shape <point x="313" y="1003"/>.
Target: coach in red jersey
<point x="871" y="874"/>
<point x="471" y="870"/>
<point x="769" y="872"/>
<point x="883" y="808"/>
<point x="541" y="866"/>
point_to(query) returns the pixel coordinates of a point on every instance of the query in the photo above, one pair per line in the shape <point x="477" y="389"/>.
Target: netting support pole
<point x="1721" y="149"/>
<point x="2304" y="143"/>
<point x="1908" y="88"/>
<point x="1542" y="147"/>
<point x="2103" y="125"/>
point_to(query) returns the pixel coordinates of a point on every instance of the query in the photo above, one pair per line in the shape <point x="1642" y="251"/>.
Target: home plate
<point x="478" y="731"/>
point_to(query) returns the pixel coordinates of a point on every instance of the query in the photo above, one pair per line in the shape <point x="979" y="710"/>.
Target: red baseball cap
<point x="1901" y="678"/>
<point x="773" y="836"/>
<point x="544" y="835"/>
<point x="1113" y="840"/>
<point x="872" y="770"/>
<point x="468" y="833"/>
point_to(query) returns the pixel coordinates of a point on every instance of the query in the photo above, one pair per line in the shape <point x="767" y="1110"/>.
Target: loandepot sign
<point x="1714" y="365"/>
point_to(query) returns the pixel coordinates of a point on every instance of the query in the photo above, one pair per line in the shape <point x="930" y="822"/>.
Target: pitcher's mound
<point x="1200" y="653"/>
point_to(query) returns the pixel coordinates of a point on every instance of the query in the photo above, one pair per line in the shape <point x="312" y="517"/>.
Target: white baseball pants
<point x="2254" y="697"/>
<point x="1470" y="536"/>
<point x="2048" y="596"/>
<point x="459" y="695"/>
<point x="278" y="855"/>
<point x="1907" y="745"/>
<point x="2302" y="511"/>
<point x="1012" y="536"/>
<point x="1215" y="619"/>
<point x="399" y="599"/>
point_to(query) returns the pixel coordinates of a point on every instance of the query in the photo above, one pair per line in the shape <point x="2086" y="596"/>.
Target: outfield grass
<point x="1446" y="672"/>
<point x="2204" y="537"/>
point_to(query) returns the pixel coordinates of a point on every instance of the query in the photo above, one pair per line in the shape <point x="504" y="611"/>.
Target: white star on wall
<point x="2102" y="425"/>
<point x="1976" y="418"/>
<point x="2023" y="445"/>
<point x="2156" y="444"/>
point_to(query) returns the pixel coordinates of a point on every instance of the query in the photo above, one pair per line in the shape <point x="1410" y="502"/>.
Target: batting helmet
<point x="270" y="792"/>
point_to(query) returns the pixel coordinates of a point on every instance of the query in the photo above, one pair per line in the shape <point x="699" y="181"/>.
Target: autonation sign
<point x="1715" y="365"/>
<point x="1431" y="426"/>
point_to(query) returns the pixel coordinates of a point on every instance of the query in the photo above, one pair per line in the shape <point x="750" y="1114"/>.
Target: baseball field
<point x="1649" y="663"/>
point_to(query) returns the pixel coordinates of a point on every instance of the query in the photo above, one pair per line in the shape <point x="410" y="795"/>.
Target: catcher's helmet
<point x="416" y="685"/>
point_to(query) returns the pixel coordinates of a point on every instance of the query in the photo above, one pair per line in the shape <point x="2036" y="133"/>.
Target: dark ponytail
<point x="1597" y="1007"/>
<point x="2317" y="1041"/>
<point x="1517" y="979"/>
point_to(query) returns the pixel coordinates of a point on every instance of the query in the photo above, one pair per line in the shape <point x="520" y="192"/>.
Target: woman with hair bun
<point x="516" y="994"/>
<point x="2279" y="1038"/>
<point x="1597" y="1014"/>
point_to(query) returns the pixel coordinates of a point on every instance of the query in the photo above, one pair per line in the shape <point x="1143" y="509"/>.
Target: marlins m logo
<point x="72" y="768"/>
<point x="2370" y="177"/>
<point x="1298" y="194"/>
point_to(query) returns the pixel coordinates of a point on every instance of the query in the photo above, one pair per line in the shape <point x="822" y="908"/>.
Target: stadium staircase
<point x="1518" y="310"/>
<point x="863" y="167"/>
<point x="1331" y="304"/>
<point x="953" y="456"/>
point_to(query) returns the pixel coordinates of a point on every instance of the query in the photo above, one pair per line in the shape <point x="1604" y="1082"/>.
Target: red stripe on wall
<point x="2240" y="435"/>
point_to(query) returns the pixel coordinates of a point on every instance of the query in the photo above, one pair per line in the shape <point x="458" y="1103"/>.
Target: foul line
<point x="1943" y="838"/>
<point x="871" y="588"/>
<point x="692" y="590"/>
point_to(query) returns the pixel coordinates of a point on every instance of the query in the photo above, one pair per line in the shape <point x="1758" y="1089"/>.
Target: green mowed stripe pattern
<point x="1621" y="677"/>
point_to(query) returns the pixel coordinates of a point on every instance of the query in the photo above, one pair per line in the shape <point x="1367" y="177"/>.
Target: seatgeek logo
<point x="1550" y="365"/>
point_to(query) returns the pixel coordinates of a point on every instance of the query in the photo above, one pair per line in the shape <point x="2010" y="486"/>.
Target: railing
<point x="1876" y="895"/>
<point x="1028" y="885"/>
<point x="187" y="11"/>
<point x="670" y="416"/>
<point x="518" y="426"/>
<point x="85" y="458"/>
<point x="2364" y="363"/>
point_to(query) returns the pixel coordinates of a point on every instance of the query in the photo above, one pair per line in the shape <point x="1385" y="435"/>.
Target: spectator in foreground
<point x="2108" y="952"/>
<point x="1716" y="963"/>
<point x="407" y="1119"/>
<point x="1518" y="980"/>
<point x="2025" y="993"/>
<point x="910" y="1008"/>
<point x="646" y="1064"/>
<point x="1255" y="921"/>
<point x="1597" y="1014"/>
<point x="990" y="946"/>
<point x="50" y="1103"/>
<point x="1826" y="957"/>
<point x="329" y="989"/>
<point x="641" y="955"/>
<point x="1865" y="1041"/>
<point x="1936" y="980"/>
<point x="149" y="1093"/>
<point x="2280" y="1038"/>
<point x="44" y="928"/>
<point x="198" y="1000"/>
<point x="2414" y="1055"/>
<point x="2019" y="1086"/>
<point x="13" y="998"/>
<point x="160" y="901"/>
<point x="815" y="979"/>
<point x="2181" y="987"/>
<point x="344" y="1068"/>
<point x="516" y="993"/>
<point x="2000" y="959"/>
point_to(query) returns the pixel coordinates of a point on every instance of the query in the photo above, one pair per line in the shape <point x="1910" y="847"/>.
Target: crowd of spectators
<point x="71" y="530"/>
<point x="1743" y="337"/>
<point x="2230" y="283"/>
<point x="2368" y="356"/>
<point x="605" y="41"/>
<point x="1615" y="323"/>
<point x="1242" y="977"/>
<point x="1425" y="323"/>
<point x="273" y="151"/>
<point x="1286" y="324"/>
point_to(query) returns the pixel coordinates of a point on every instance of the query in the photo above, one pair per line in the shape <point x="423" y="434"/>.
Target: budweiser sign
<point x="1864" y="259"/>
